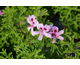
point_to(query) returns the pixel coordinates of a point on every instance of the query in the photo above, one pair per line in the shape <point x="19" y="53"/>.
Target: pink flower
<point x="42" y="31"/>
<point x="1" y="13"/>
<point x="33" y="23"/>
<point x="30" y="18"/>
<point x="55" y="34"/>
<point x="55" y="29"/>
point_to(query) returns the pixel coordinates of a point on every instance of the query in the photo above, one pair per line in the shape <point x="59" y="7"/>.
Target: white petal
<point x="60" y="32"/>
<point x="39" y="25"/>
<point x="35" y="33"/>
<point x="36" y="23"/>
<point x="28" y="20"/>
<point x="40" y="37"/>
<point x="47" y="28"/>
<point x="29" y="28"/>
<point x="54" y="40"/>
<point x="60" y="37"/>
<point x="47" y="34"/>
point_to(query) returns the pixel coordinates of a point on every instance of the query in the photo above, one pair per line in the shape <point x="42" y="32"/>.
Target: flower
<point x="30" y="18"/>
<point x="1" y="13"/>
<point x="42" y="31"/>
<point x="55" y="34"/>
<point x="55" y="29"/>
<point x="33" y="23"/>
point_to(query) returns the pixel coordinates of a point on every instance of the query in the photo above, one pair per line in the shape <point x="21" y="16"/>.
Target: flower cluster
<point x="47" y="30"/>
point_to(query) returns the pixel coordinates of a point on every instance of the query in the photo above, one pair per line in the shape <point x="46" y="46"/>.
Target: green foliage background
<point x="17" y="43"/>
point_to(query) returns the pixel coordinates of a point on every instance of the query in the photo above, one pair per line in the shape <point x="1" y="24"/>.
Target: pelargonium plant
<point x="49" y="31"/>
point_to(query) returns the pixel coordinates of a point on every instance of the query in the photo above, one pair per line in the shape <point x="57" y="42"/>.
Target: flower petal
<point x="60" y="37"/>
<point x="40" y="26"/>
<point x="40" y="37"/>
<point x="46" y="28"/>
<point x="50" y="30"/>
<point x="29" y="16"/>
<point x="35" y="33"/>
<point x="28" y="20"/>
<point x="60" y="32"/>
<point x="29" y="28"/>
<point x="33" y="16"/>
<point x="54" y="40"/>
<point x="51" y="26"/>
<point x="47" y="34"/>
<point x="36" y="23"/>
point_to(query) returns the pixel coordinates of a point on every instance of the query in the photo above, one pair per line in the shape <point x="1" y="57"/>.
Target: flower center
<point x="55" y="30"/>
<point x="53" y="35"/>
<point x="45" y="29"/>
<point x="42" y="31"/>
<point x="40" y="28"/>
<point x="31" y="19"/>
